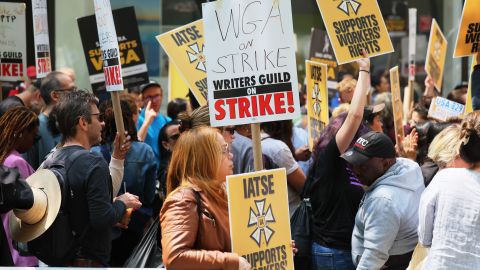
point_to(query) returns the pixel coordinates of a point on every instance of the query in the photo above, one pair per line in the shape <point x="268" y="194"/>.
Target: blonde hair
<point x="346" y="84"/>
<point x="344" y="107"/>
<point x="445" y="147"/>
<point x="196" y="159"/>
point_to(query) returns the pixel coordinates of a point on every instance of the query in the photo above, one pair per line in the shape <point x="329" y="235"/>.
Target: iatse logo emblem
<point x="261" y="218"/>
<point x="347" y="5"/>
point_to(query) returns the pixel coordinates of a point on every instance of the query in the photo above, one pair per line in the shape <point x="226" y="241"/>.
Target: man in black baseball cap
<point x="371" y="156"/>
<point x="385" y="232"/>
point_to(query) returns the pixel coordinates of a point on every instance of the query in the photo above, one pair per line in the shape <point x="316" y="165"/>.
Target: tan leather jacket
<point x="180" y="225"/>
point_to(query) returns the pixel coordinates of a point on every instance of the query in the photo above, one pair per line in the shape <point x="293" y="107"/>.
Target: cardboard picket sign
<point x="436" y="55"/>
<point x="107" y="36"/>
<point x="40" y="36"/>
<point x="252" y="76"/>
<point x="321" y="51"/>
<point x="132" y="59"/>
<point x="353" y="25"/>
<point x="185" y="48"/>
<point x="468" y="36"/>
<point x="443" y="109"/>
<point x="259" y="218"/>
<point x="177" y="88"/>
<point x="469" y="104"/>
<point x="396" y="103"/>
<point x="13" y="48"/>
<point x="317" y="99"/>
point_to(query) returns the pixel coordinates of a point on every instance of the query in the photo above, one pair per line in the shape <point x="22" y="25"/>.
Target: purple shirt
<point x="15" y="160"/>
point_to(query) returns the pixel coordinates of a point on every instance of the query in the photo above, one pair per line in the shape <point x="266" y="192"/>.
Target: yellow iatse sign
<point x="184" y="46"/>
<point x="317" y="99"/>
<point x="259" y="218"/>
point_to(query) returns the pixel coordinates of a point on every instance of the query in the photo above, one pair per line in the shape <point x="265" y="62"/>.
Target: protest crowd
<point x="363" y="189"/>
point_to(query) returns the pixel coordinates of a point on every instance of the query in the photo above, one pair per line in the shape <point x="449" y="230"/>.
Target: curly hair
<point x="13" y="124"/>
<point x="110" y="130"/>
<point x="470" y="137"/>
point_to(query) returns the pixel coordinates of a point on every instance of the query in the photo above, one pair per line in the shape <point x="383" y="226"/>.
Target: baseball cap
<point x="372" y="144"/>
<point x="144" y="86"/>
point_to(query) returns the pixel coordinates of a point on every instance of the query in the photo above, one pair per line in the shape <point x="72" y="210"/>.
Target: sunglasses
<point x="174" y="137"/>
<point x="231" y="130"/>
<point x="100" y="116"/>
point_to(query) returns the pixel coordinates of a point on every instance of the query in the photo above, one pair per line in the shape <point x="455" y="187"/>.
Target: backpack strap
<point x="68" y="164"/>
<point x="199" y="212"/>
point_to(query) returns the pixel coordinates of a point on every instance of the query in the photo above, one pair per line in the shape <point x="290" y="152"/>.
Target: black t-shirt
<point x="91" y="187"/>
<point x="9" y="103"/>
<point x="335" y="199"/>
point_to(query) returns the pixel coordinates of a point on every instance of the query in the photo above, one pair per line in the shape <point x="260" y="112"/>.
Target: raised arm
<point x="346" y="133"/>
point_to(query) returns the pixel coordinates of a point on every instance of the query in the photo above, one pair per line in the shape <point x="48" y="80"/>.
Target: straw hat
<point x="26" y="225"/>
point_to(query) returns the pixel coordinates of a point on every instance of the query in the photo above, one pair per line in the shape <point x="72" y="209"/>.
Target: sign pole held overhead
<point x="412" y="38"/>
<point x="112" y="69"/>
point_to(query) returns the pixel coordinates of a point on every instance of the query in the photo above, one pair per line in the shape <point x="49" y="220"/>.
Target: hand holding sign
<point x="364" y="63"/>
<point x="243" y="264"/>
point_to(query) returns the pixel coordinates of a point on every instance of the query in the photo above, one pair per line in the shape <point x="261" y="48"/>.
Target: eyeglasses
<point x="99" y="116"/>
<point x="174" y="137"/>
<point x="71" y="89"/>
<point x="152" y="98"/>
<point x="230" y="129"/>
<point x="225" y="149"/>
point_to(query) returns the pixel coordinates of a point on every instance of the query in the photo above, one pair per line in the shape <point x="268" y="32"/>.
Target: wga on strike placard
<point x="13" y="56"/>
<point x="251" y="70"/>
<point x="40" y="36"/>
<point x="109" y="45"/>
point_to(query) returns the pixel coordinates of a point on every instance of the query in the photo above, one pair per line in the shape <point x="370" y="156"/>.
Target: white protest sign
<point x="443" y="109"/>
<point x="40" y="36"/>
<point x="107" y="37"/>
<point x="412" y="38"/>
<point x="13" y="48"/>
<point x="251" y="70"/>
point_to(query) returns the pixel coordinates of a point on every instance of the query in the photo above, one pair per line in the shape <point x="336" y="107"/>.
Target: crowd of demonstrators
<point x="369" y="204"/>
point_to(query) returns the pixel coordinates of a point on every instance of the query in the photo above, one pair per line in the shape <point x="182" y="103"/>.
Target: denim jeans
<point x="324" y="258"/>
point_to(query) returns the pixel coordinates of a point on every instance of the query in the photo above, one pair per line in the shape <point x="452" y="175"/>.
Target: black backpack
<point x="59" y="243"/>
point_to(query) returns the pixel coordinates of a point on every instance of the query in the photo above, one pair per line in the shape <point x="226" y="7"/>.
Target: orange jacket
<point x="180" y="225"/>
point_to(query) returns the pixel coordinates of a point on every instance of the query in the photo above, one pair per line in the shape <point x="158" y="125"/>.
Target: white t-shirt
<point x="281" y="155"/>
<point x="449" y="220"/>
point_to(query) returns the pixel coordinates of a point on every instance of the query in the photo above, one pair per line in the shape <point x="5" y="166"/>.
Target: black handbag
<point x="148" y="252"/>
<point x="301" y="226"/>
